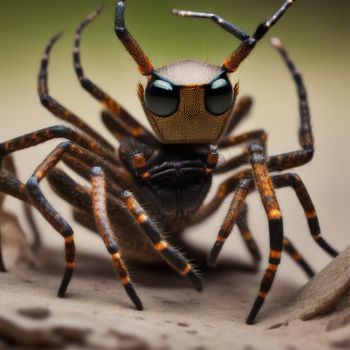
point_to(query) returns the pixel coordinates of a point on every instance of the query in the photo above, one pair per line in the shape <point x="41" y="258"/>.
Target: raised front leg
<point x="118" y="121"/>
<point x="232" y="63"/>
<point x="59" y="110"/>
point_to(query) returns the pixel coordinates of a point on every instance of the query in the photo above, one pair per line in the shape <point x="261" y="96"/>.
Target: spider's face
<point x="188" y="102"/>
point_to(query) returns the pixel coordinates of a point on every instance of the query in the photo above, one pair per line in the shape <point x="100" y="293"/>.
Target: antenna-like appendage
<point x="144" y="63"/>
<point x="248" y="42"/>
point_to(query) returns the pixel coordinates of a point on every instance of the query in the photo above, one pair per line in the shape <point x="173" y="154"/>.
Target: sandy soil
<point x="98" y="315"/>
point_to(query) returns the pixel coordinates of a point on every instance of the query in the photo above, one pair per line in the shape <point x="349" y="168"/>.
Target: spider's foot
<point x="130" y="290"/>
<point x="196" y="280"/>
<point x="213" y="256"/>
<point x="259" y="301"/>
<point x="65" y="281"/>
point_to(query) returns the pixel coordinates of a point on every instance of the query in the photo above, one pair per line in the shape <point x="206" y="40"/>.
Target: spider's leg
<point x="106" y="232"/>
<point x="166" y="251"/>
<point x="126" y="124"/>
<point x="10" y="185"/>
<point x="240" y="112"/>
<point x="9" y="165"/>
<point x="241" y="191"/>
<point x="54" y="132"/>
<point x="295" y="255"/>
<point x="248" y="42"/>
<point x="50" y="214"/>
<point x="249" y="136"/>
<point x="60" y="111"/>
<point x="243" y="158"/>
<point x="297" y="158"/>
<point x="85" y="219"/>
<point x="242" y="224"/>
<point x="81" y="161"/>
<point x="294" y="181"/>
<point x="224" y="189"/>
<point x="273" y="212"/>
<point x="29" y="215"/>
<point x="63" y="185"/>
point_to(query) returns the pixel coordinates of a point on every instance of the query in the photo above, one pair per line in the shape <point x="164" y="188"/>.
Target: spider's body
<point x="176" y="185"/>
<point x="157" y="182"/>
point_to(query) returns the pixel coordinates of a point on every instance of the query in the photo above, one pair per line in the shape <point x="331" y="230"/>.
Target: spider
<point x="191" y="107"/>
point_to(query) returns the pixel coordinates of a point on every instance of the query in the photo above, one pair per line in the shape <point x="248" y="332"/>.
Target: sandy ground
<point x="98" y="315"/>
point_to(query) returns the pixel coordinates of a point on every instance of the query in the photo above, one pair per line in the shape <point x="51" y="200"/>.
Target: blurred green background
<point x="316" y="34"/>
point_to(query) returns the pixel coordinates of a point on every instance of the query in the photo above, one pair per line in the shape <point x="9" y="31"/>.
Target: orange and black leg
<point x="225" y="188"/>
<point x="53" y="132"/>
<point x="10" y="166"/>
<point x="104" y="228"/>
<point x="294" y="181"/>
<point x="12" y="186"/>
<point x="297" y="257"/>
<point x="59" y="110"/>
<point x="63" y="185"/>
<point x="144" y="64"/>
<point x="297" y="158"/>
<point x="166" y="251"/>
<point x="51" y="215"/>
<point x="242" y="189"/>
<point x="248" y="42"/>
<point x="243" y="227"/>
<point x="273" y="212"/>
<point x="119" y="121"/>
<point x="243" y="158"/>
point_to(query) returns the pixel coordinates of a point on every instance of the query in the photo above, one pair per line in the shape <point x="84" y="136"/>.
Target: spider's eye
<point x="218" y="96"/>
<point x="161" y="98"/>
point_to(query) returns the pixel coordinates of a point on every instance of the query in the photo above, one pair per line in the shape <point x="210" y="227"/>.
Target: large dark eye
<point x="161" y="98"/>
<point x="218" y="96"/>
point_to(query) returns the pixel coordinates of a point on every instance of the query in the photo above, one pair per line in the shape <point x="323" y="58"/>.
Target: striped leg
<point x="242" y="159"/>
<point x="51" y="215"/>
<point x="295" y="255"/>
<point x="268" y="197"/>
<point x="168" y="253"/>
<point x="10" y="166"/>
<point x="232" y="63"/>
<point x="224" y="189"/>
<point x="106" y="232"/>
<point x="11" y="186"/>
<point x="144" y="64"/>
<point x="241" y="191"/>
<point x="56" y="108"/>
<point x="297" y="158"/>
<point x="125" y="123"/>
<point x="242" y="223"/>
<point x="249" y="136"/>
<point x="53" y="132"/>
<point x="294" y="181"/>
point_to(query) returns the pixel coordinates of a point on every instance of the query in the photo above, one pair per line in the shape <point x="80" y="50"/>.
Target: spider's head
<point x="188" y="102"/>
